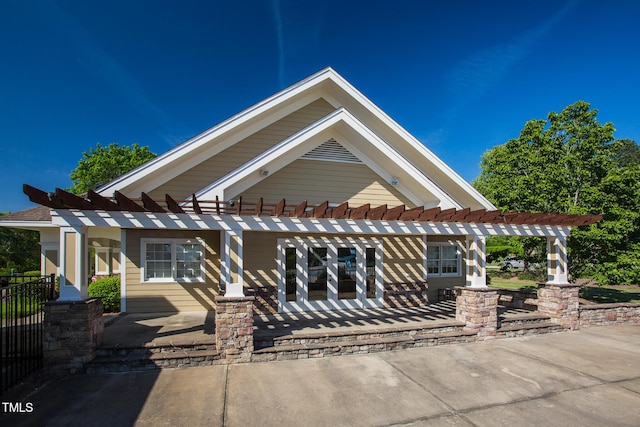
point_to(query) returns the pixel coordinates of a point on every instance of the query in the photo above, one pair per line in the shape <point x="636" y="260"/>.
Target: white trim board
<point x="148" y="220"/>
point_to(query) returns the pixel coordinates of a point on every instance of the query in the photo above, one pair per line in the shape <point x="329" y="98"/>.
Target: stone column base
<point x="72" y="331"/>
<point x="560" y="302"/>
<point x="478" y="309"/>
<point x="234" y="328"/>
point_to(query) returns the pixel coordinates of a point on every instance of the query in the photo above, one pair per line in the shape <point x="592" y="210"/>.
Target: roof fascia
<point x="28" y="225"/>
<point x="277" y="156"/>
<point x="236" y="122"/>
<point x="295" y="146"/>
<point x="404" y="135"/>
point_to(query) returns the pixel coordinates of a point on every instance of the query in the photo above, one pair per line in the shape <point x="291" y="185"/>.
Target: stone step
<point x="522" y="319"/>
<point x="264" y="340"/>
<point x="362" y="346"/>
<point x="156" y="348"/>
<point x="532" y="328"/>
<point x="154" y="356"/>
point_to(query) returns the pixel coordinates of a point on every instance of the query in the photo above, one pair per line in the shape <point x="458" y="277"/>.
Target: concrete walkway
<point x="585" y="378"/>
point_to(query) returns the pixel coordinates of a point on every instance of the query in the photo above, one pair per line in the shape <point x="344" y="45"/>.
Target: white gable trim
<point x="311" y="137"/>
<point x="408" y="137"/>
<point x="326" y="84"/>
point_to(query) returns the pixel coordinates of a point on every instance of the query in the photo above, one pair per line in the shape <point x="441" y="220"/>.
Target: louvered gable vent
<point x="331" y="151"/>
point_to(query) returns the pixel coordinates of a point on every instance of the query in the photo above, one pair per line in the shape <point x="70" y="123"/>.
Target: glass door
<point x="317" y="278"/>
<point x="324" y="275"/>
<point x="346" y="266"/>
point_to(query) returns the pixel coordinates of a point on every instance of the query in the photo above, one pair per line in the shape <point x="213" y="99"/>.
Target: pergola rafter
<point x="92" y="201"/>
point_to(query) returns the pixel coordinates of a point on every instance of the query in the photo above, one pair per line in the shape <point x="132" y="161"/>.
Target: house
<point x="313" y="199"/>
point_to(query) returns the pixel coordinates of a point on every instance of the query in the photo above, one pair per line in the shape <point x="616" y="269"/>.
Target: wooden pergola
<point x="92" y="201"/>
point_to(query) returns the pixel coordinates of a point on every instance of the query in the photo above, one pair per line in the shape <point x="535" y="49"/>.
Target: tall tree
<point x="570" y="164"/>
<point x="19" y="250"/>
<point x="103" y="164"/>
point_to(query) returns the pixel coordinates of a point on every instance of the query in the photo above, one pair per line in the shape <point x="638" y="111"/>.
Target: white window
<point x="443" y="259"/>
<point x="172" y="260"/>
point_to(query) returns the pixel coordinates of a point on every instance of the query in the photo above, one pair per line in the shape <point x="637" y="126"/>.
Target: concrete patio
<point x="582" y="378"/>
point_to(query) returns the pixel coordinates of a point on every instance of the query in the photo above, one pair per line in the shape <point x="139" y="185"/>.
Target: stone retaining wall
<point x="609" y="314"/>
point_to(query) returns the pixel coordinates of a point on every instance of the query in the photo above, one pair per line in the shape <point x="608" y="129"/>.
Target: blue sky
<point x="461" y="76"/>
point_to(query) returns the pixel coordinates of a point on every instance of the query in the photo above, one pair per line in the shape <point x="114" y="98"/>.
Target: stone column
<point x="478" y="309"/>
<point x="234" y="328"/>
<point x="72" y="331"/>
<point x="560" y="302"/>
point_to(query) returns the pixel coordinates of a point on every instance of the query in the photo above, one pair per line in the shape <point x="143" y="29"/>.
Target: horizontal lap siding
<point x="216" y="167"/>
<point x="158" y="297"/>
<point x="317" y="181"/>
<point x="403" y="257"/>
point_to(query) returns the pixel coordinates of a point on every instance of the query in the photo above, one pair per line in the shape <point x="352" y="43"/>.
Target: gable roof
<point x="429" y="181"/>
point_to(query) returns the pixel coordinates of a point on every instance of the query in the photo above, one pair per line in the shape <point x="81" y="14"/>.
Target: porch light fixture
<point x="394" y="181"/>
<point x="264" y="172"/>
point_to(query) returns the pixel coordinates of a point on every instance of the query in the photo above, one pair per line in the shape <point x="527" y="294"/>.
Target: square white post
<point x="476" y="262"/>
<point x="231" y="267"/>
<point x="74" y="264"/>
<point x="557" y="260"/>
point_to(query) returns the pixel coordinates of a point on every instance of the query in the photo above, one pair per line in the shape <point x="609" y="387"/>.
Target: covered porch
<point x="236" y="327"/>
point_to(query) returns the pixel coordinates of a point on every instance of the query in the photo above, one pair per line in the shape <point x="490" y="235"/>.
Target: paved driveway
<point x="585" y="378"/>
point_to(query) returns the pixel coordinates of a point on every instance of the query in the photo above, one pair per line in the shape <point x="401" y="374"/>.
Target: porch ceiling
<point x="94" y="202"/>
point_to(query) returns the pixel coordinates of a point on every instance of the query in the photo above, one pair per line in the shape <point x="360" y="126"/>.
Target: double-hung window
<point x="173" y="260"/>
<point x="443" y="259"/>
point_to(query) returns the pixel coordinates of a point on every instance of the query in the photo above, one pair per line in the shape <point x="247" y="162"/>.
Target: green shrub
<point x="32" y="273"/>
<point x="107" y="289"/>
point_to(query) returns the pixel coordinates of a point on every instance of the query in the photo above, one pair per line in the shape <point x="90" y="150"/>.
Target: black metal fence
<point x="22" y="315"/>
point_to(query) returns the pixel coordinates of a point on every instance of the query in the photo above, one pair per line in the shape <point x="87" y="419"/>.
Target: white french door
<point x="328" y="274"/>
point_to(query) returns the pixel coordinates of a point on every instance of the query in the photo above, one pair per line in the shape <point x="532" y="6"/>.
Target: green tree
<point x="104" y="164"/>
<point x="570" y="163"/>
<point x="19" y="250"/>
<point x="626" y="153"/>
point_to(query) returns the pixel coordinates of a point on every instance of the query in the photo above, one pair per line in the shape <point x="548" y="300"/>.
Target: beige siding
<point x="403" y="257"/>
<point x="158" y="297"/>
<point x="51" y="262"/>
<point x="214" y="168"/>
<point x="317" y="181"/>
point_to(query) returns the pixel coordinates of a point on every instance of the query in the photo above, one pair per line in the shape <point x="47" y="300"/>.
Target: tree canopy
<point x="570" y="163"/>
<point x="103" y="164"/>
<point x="19" y="250"/>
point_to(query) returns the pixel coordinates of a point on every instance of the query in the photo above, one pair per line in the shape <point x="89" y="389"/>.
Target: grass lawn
<point x="611" y="293"/>
<point x="601" y="294"/>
